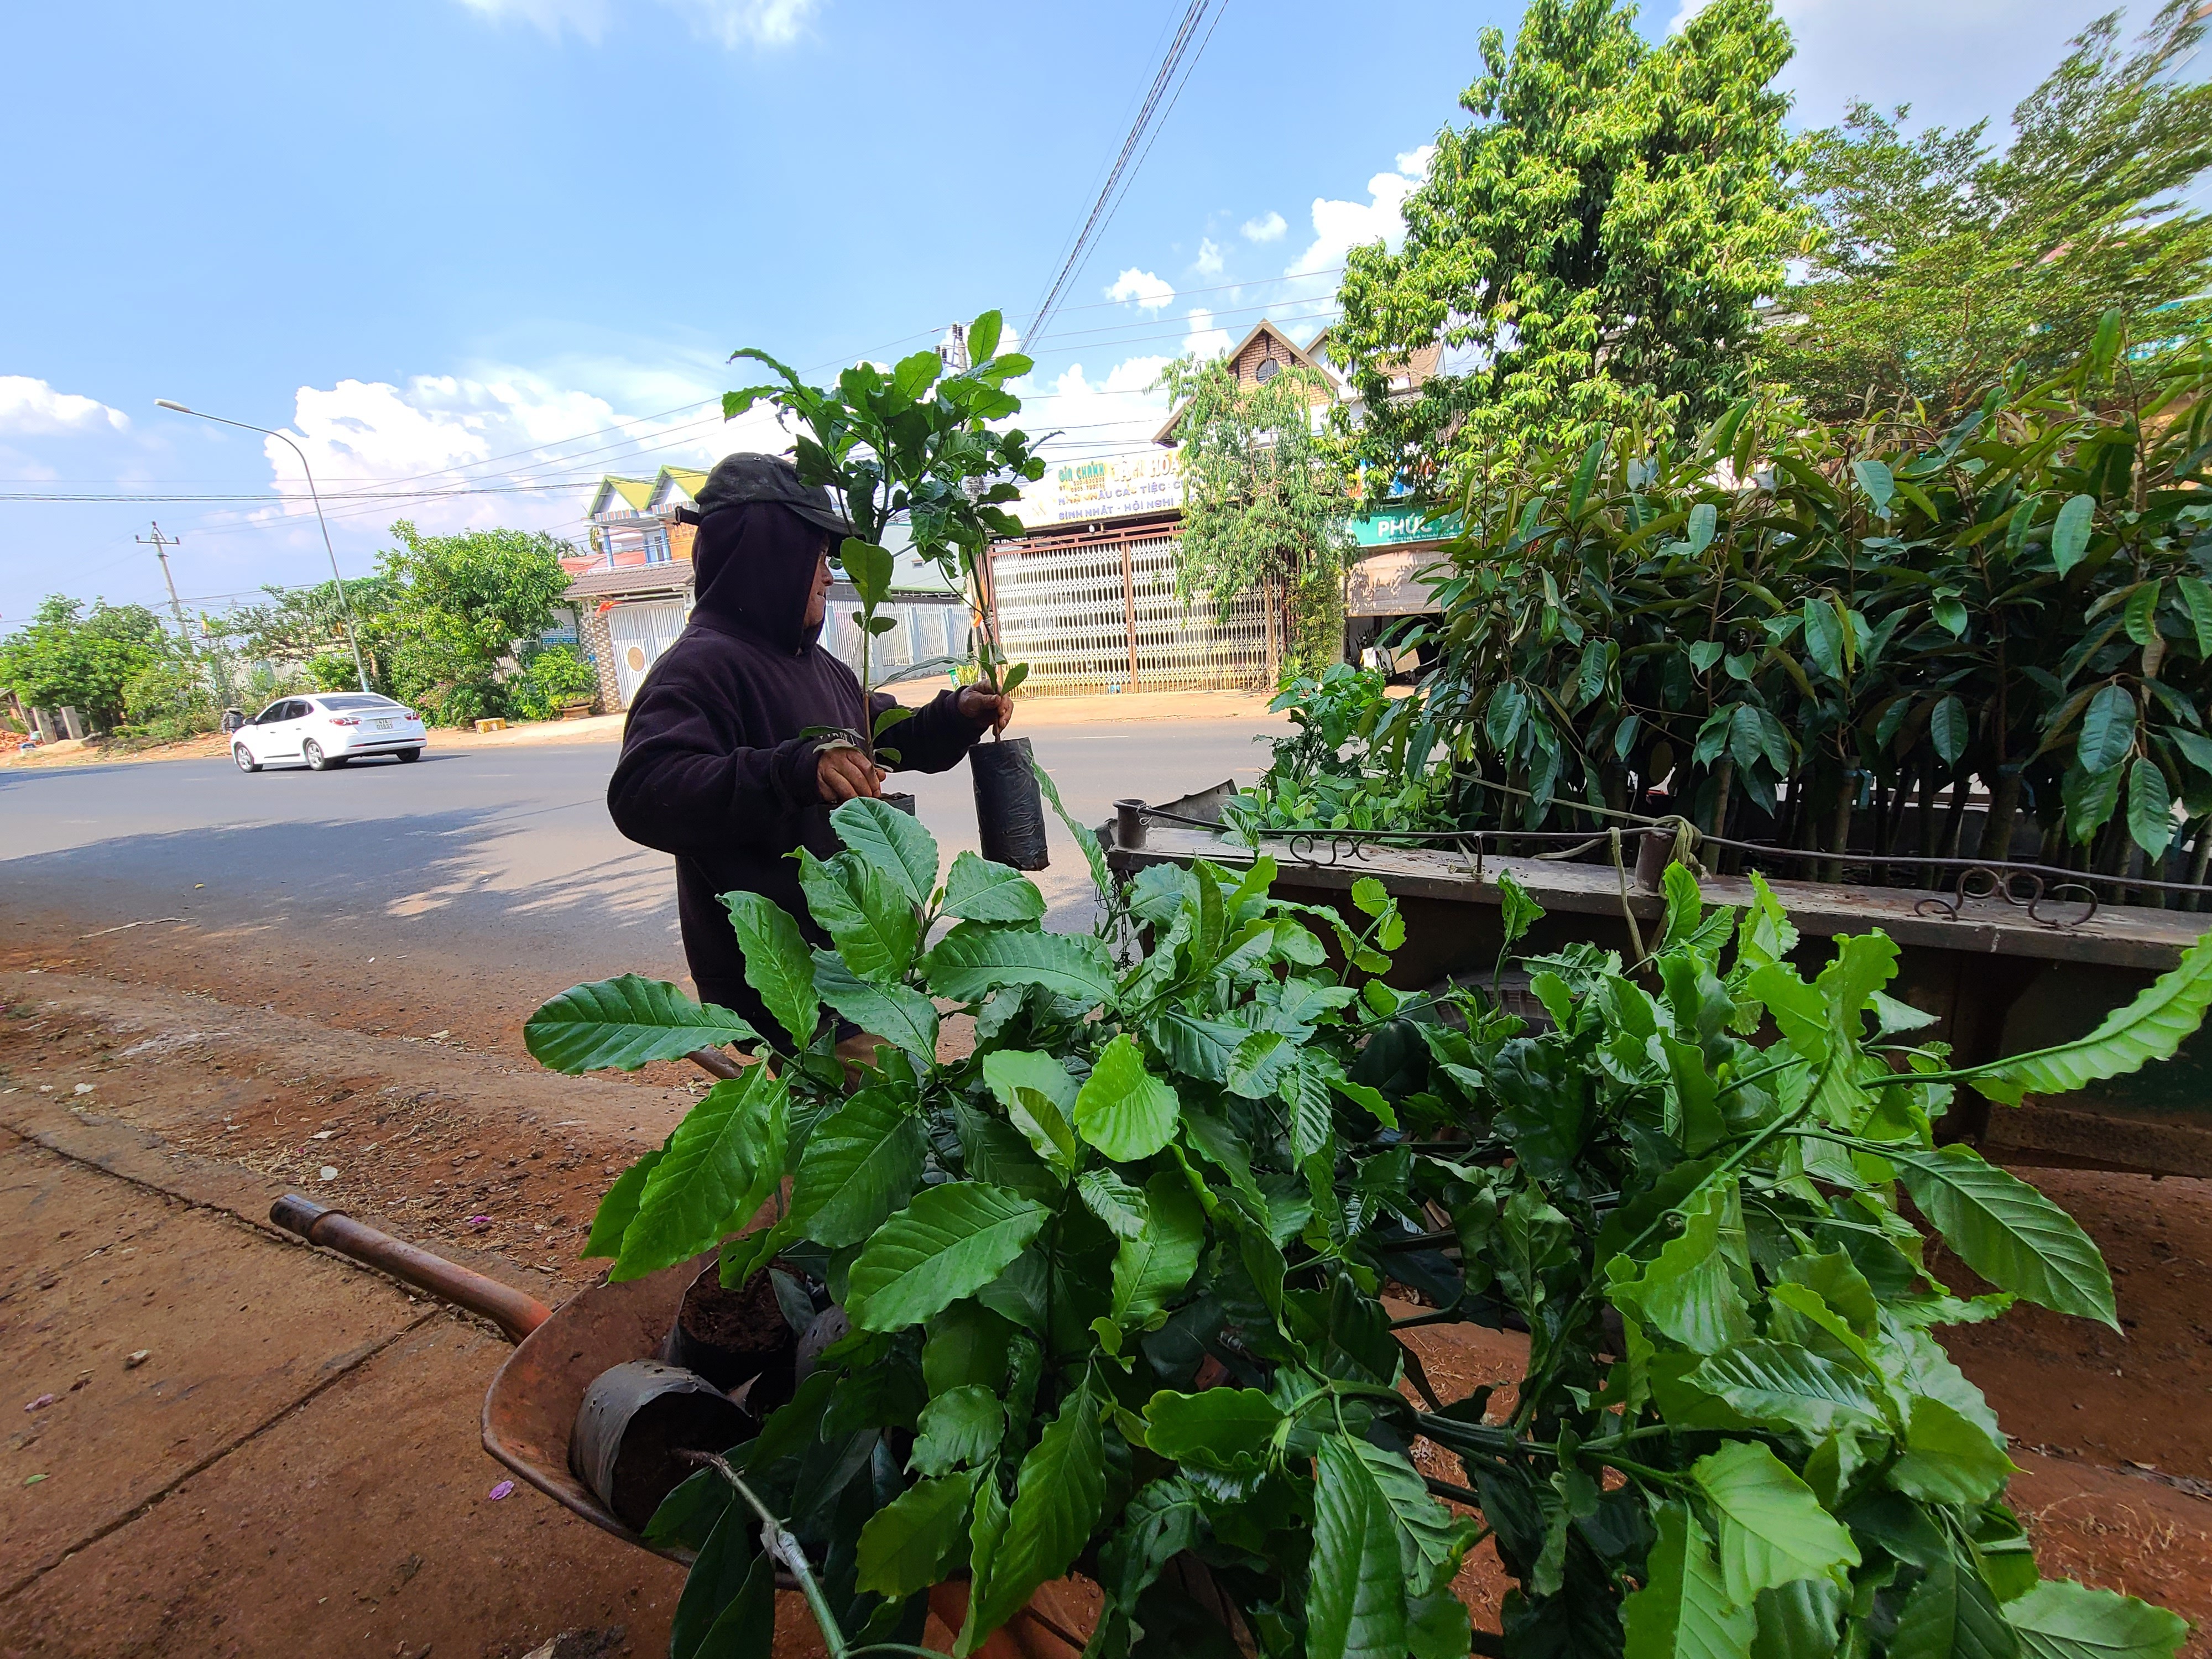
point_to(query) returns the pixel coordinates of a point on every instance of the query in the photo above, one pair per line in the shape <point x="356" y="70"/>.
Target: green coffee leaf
<point x="893" y="841"/>
<point x="1683" y="1611"/>
<point x="977" y="889"/>
<point x="1693" y="1290"/>
<point x="1122" y="1110"/>
<point x="777" y="964"/>
<point x="1200" y="1048"/>
<point x="717" y="1581"/>
<point x="1517" y="911"/>
<point x="869" y="567"/>
<point x="898" y="1013"/>
<point x="906" y="1544"/>
<point x="967" y="1343"/>
<point x="1797" y="1619"/>
<point x="1948" y="1458"/>
<point x="1781" y="1386"/>
<point x="625" y="1023"/>
<point x="619" y="1207"/>
<point x="1260" y="1063"/>
<point x="872" y="926"/>
<point x="972" y="961"/>
<point x="862" y="1162"/>
<point x="949" y="1242"/>
<point x="2009" y="1232"/>
<point x="1218" y="1429"/>
<point x="1101" y="876"/>
<point x="719" y="1166"/>
<point x="2151" y="1027"/>
<point x="2062" y="1619"/>
<point x="1772" y="1529"/>
<point x="1157" y="1263"/>
<point x="1122" y="1207"/>
<point x="1951" y="1614"/>
<point x="1038" y="1095"/>
<point x="1057" y="1499"/>
<point x="962" y="1426"/>
<point x="1380" y="1541"/>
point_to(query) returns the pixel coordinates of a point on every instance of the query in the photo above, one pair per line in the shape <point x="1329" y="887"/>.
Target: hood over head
<point x="754" y="566"/>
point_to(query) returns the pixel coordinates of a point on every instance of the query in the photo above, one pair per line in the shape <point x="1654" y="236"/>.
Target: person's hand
<point x="844" y="773"/>
<point x="979" y="703"/>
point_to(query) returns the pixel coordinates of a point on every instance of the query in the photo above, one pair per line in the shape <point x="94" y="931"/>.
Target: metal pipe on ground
<point x="515" y="1312"/>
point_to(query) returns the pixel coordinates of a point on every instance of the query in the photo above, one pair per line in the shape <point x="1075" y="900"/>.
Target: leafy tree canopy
<point x="72" y="657"/>
<point x="1261" y="507"/>
<point x="461" y="630"/>
<point x="1596" y="240"/>
<point x="1942" y="262"/>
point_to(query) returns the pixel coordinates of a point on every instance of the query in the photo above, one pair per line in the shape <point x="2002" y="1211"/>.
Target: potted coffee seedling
<point x="916" y="442"/>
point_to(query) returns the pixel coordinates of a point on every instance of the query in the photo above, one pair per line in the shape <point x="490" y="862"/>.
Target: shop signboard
<point x="1401" y="529"/>
<point x="1105" y="487"/>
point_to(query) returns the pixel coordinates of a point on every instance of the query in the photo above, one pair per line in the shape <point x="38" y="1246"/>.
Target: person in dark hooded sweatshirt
<point x="714" y="767"/>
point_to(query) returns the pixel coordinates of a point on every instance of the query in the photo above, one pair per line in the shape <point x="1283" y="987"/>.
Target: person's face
<point x="817" y="602"/>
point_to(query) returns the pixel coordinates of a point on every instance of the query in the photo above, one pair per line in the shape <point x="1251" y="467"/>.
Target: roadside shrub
<point x="169" y="699"/>
<point x="550" y="676"/>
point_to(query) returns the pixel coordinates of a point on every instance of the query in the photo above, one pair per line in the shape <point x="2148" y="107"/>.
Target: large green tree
<point x="1595" y="242"/>
<point x="1943" y="262"/>
<point x="1261" y="507"/>
<point x="70" y="657"/>
<point x="461" y="633"/>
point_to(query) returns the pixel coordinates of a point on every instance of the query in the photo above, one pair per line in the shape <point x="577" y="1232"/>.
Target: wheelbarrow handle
<point x="512" y="1310"/>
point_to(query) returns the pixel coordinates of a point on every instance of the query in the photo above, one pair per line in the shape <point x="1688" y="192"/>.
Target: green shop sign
<point x="1400" y="529"/>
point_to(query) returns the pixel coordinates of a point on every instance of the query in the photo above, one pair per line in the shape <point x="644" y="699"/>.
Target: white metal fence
<point x="924" y="628"/>
<point x="1068" y="613"/>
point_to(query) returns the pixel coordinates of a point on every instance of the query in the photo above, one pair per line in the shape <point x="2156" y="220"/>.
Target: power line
<point x="1100" y="210"/>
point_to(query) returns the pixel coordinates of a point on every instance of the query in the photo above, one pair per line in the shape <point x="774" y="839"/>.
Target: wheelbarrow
<point x="530" y="1410"/>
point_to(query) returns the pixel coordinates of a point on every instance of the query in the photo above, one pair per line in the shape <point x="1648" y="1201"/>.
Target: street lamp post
<point x="345" y="606"/>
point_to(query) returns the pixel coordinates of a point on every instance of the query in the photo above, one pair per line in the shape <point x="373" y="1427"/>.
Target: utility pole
<point x="952" y="350"/>
<point x="161" y="544"/>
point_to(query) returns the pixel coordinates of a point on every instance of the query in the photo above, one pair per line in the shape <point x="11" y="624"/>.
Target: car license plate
<point x="384" y="725"/>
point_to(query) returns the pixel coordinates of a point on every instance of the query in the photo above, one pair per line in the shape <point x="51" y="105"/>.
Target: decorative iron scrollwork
<point x="2022" y="888"/>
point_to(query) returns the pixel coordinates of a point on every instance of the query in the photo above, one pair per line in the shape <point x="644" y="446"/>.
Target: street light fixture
<point x="345" y="606"/>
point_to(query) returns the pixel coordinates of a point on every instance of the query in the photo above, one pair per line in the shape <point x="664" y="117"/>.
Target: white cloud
<point x="747" y="22"/>
<point x="35" y="409"/>
<point x="1340" y="227"/>
<point x="530" y="448"/>
<point x="1209" y="262"/>
<point x="732" y="23"/>
<point x="1148" y="292"/>
<point x="1268" y="229"/>
<point x="1205" y="339"/>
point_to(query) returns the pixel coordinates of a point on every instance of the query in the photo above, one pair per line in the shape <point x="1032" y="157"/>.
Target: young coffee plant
<point x="1357" y="758"/>
<point x="917" y="446"/>
<point x="1126" y="1282"/>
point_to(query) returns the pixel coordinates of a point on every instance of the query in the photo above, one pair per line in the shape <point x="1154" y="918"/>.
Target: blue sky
<point x="501" y="245"/>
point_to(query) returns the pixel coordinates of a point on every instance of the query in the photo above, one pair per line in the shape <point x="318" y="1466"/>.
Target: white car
<point x="327" y="730"/>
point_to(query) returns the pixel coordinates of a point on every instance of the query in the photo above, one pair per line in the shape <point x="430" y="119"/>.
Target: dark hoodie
<point x="713" y="767"/>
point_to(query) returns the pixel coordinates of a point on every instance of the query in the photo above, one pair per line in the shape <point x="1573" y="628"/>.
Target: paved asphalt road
<point x="502" y="855"/>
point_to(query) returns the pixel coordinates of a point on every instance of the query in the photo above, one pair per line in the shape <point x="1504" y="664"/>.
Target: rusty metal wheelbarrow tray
<point x="530" y="1410"/>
